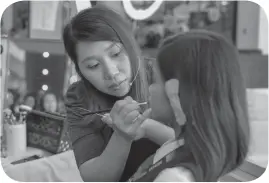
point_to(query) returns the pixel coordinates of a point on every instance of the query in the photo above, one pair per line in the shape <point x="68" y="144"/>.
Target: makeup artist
<point x="107" y="58"/>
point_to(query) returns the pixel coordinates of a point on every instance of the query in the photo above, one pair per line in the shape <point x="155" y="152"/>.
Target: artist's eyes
<point x="117" y="54"/>
<point x="93" y="65"/>
<point x="117" y="51"/>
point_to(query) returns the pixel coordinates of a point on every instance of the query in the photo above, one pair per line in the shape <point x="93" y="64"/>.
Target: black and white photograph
<point x="134" y="91"/>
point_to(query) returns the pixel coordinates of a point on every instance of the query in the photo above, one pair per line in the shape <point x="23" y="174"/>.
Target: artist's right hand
<point x="125" y="118"/>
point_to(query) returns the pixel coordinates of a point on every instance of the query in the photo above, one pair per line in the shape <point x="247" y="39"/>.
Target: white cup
<point x="15" y="139"/>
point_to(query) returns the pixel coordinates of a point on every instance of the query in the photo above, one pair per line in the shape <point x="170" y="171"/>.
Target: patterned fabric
<point x="48" y="133"/>
<point x="65" y="143"/>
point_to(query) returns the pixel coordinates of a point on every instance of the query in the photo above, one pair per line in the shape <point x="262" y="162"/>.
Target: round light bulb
<point x="45" y="72"/>
<point x="46" y="54"/>
<point x="45" y="87"/>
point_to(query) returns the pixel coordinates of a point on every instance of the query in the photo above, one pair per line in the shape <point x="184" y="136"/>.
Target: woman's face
<point x="10" y="99"/>
<point x="50" y="103"/>
<point x="30" y="101"/>
<point x="61" y="106"/>
<point x="106" y="66"/>
<point x="158" y="100"/>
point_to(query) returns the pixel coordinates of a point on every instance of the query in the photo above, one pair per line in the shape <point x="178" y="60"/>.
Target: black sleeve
<point x="87" y="139"/>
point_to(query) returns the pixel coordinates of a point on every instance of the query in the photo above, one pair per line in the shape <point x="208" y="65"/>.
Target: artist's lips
<point x="115" y="86"/>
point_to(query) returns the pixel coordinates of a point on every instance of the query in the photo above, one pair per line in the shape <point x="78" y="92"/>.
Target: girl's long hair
<point x="213" y="98"/>
<point x="102" y="24"/>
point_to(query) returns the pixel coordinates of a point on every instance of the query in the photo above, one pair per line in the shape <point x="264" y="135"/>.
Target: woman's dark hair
<point x="213" y="98"/>
<point x="102" y="24"/>
<point x="16" y="97"/>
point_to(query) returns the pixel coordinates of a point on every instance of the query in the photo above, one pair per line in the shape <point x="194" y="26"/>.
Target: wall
<point x="263" y="32"/>
<point x="254" y="68"/>
<point x="247" y="24"/>
<point x="252" y="42"/>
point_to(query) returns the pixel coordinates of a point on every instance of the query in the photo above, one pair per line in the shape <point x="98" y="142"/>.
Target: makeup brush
<point x="105" y="110"/>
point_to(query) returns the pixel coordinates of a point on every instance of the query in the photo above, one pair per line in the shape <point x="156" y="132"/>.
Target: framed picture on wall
<point x="20" y="21"/>
<point x="46" y="19"/>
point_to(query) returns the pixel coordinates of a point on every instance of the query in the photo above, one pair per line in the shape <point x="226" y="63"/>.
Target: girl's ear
<point x="172" y="92"/>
